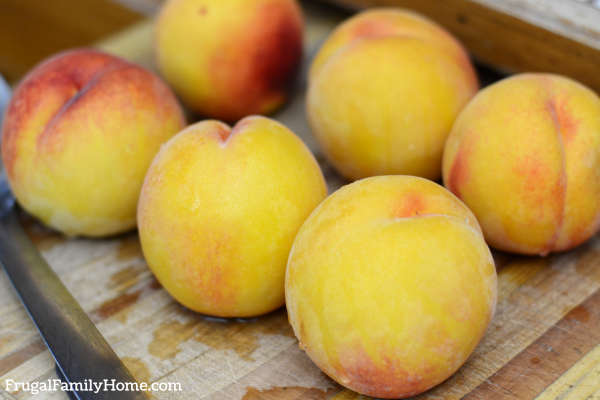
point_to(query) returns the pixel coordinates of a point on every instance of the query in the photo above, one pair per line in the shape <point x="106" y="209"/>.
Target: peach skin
<point x="392" y="115"/>
<point x="219" y="210"/>
<point x="230" y="58"/>
<point x="78" y="136"/>
<point x="390" y="285"/>
<point x="524" y="155"/>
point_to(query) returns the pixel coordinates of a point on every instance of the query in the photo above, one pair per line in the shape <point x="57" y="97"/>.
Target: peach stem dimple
<point x="224" y="133"/>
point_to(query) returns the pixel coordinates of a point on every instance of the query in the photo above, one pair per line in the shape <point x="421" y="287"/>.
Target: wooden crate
<point x="543" y="343"/>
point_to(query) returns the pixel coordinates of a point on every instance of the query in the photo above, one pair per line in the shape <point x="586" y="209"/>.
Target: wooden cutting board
<point x="543" y="343"/>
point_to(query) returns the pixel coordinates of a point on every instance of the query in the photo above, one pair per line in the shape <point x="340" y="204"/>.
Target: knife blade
<point x="79" y="349"/>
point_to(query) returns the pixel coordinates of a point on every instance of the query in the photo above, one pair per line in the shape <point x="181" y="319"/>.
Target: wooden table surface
<point x="544" y="342"/>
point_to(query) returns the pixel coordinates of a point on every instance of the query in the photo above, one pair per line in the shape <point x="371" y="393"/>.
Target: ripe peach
<point x="219" y="210"/>
<point x="384" y="91"/>
<point x="390" y="285"/>
<point x="78" y="136"/>
<point x="524" y="155"/>
<point x="230" y="58"/>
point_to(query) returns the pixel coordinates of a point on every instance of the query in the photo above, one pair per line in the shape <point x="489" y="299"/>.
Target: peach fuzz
<point x="78" y="136"/>
<point x="230" y="58"/>
<point x="219" y="210"/>
<point x="390" y="285"/>
<point x="384" y="91"/>
<point x="524" y="155"/>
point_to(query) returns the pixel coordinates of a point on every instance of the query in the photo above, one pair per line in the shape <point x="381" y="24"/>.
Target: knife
<point x="79" y="349"/>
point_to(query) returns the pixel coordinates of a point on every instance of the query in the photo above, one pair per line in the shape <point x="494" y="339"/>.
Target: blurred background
<point x="31" y="30"/>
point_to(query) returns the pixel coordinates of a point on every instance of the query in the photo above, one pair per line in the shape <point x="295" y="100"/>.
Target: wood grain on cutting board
<point x="543" y="341"/>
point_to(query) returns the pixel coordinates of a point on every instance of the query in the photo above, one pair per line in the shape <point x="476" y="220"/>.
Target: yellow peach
<point x="384" y="91"/>
<point x="219" y="210"/>
<point x="78" y="136"/>
<point x="524" y="155"/>
<point x="230" y="58"/>
<point x="390" y="285"/>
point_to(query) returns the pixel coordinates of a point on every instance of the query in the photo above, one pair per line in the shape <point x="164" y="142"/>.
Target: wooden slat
<point x="512" y="43"/>
<point x="582" y="381"/>
<point x="31" y="30"/>
<point x="577" y="20"/>
<point x="549" y="357"/>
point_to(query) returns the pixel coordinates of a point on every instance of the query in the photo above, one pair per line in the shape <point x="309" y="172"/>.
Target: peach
<point x="230" y="58"/>
<point x="219" y="210"/>
<point x="524" y="155"/>
<point x="384" y="91"/>
<point x="390" y="285"/>
<point x="78" y="136"/>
